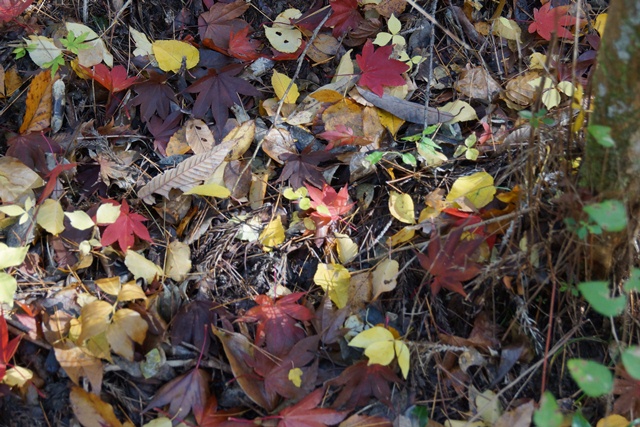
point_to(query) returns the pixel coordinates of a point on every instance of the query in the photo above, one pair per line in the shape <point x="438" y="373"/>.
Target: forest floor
<point x="352" y="213"/>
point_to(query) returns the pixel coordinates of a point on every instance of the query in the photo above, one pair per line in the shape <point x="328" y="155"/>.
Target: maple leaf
<point x="31" y="148"/>
<point x="124" y="228"/>
<point x="341" y="135"/>
<point x="219" y="91"/>
<point x="547" y="21"/>
<point x="450" y="265"/>
<point x="279" y="379"/>
<point x="306" y="413"/>
<point x="114" y="80"/>
<point x="10" y="9"/>
<point x="154" y="97"/>
<point x="302" y="167"/>
<point x="191" y="323"/>
<point x="627" y="389"/>
<point x="7" y="347"/>
<point x="242" y="47"/>
<point x="163" y="129"/>
<point x="211" y="416"/>
<point x="185" y="393"/>
<point x="277" y="322"/>
<point x="345" y="16"/>
<point x="361" y="382"/>
<point x="329" y="205"/>
<point x="378" y="69"/>
<point x="220" y="21"/>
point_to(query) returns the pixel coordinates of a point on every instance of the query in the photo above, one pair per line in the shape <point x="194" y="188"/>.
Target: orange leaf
<point x="38" y="114"/>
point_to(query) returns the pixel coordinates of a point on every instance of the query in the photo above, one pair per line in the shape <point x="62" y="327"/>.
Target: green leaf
<point x="409" y="159"/>
<point x="579" y="420"/>
<point x="631" y="361"/>
<point x="611" y="215"/>
<point x="597" y="294"/>
<point x="593" y="378"/>
<point x="548" y="415"/>
<point x="602" y="135"/>
<point x="633" y="284"/>
<point x="375" y="157"/>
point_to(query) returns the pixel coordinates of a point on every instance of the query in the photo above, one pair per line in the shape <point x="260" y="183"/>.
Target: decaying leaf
<point x="39" y="102"/>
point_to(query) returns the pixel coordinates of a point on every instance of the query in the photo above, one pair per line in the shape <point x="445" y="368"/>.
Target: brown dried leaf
<point x="477" y="83"/>
<point x="199" y="136"/>
<point x="91" y="411"/>
<point x="188" y="173"/>
<point x="77" y="363"/>
<point x="518" y="417"/>
<point x="37" y="117"/>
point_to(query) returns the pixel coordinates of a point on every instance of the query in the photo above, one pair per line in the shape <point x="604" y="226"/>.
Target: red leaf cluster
<point x="547" y="21"/>
<point x="7" y="347"/>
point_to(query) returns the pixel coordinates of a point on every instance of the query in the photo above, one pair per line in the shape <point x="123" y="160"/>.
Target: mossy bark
<point x="615" y="172"/>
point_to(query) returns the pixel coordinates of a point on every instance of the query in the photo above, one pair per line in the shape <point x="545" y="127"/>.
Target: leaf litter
<point x="224" y="233"/>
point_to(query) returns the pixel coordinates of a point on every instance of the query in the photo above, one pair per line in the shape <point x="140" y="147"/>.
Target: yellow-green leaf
<point x="347" y="249"/>
<point x="80" y="220"/>
<point x="210" y="190"/>
<point x="334" y="280"/>
<point x="295" y="376"/>
<point x="11" y="257"/>
<point x="272" y="235"/>
<point x="51" y="217"/>
<point x="8" y="287"/>
<point x="139" y="266"/>
<point x="477" y="188"/>
<point x="280" y="83"/>
<point x="169" y="54"/>
<point x="17" y="376"/>
<point x="401" y="207"/>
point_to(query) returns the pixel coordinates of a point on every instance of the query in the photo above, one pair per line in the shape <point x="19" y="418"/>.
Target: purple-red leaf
<point x="378" y="69"/>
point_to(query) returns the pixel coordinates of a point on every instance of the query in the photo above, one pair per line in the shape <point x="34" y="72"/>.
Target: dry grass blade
<point x="188" y="173"/>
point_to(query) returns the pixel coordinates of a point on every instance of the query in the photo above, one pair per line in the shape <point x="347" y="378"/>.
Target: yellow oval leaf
<point x="284" y="39"/>
<point x="613" y="421"/>
<point x="347" y="249"/>
<point x="384" y="277"/>
<point x="141" y="267"/>
<point x="334" y="280"/>
<point x="51" y="217"/>
<point x="210" y="190"/>
<point x="477" y="188"/>
<point x="273" y="234"/>
<point x="169" y="54"/>
<point x="280" y="83"/>
<point x="295" y="376"/>
<point x="401" y="207"/>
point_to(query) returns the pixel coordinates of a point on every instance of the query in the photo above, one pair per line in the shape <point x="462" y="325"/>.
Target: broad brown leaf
<point x="186" y="393"/>
<point x="277" y="322"/>
<point x="448" y="261"/>
<point x="627" y="390"/>
<point x="361" y="382"/>
<point x="220" y="90"/>
<point x="220" y="21"/>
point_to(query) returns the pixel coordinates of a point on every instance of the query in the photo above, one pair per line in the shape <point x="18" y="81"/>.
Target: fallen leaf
<point x="37" y="116"/>
<point x="95" y="50"/>
<point x="124" y="228"/>
<point x="362" y="381"/>
<point x="10" y="9"/>
<point x="381" y="347"/>
<point x="280" y="83"/>
<point x="378" y="69"/>
<point x="334" y="280"/>
<point x="462" y="111"/>
<point x="141" y="267"/>
<point x="347" y="249"/>
<point x="272" y="235"/>
<point x="345" y="16"/>
<point x="184" y="394"/>
<point x="282" y="35"/>
<point x="306" y="413"/>
<point x="16" y="178"/>
<point x="547" y="21"/>
<point x="91" y="411"/>
<point x="401" y="207"/>
<point x="385" y="277"/>
<point x="220" y="21"/>
<point x="477" y="188"/>
<point x="171" y="53"/>
<point x="51" y="217"/>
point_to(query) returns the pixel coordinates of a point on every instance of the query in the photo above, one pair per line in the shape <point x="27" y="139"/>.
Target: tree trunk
<point x="615" y="172"/>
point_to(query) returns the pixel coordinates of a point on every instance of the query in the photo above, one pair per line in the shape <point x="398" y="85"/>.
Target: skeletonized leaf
<point x="188" y="173"/>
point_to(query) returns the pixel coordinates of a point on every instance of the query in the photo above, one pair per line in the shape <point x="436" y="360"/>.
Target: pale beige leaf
<point x="107" y="214"/>
<point x="8" y="288"/>
<point x="17" y="376"/>
<point x="384" y="277"/>
<point x="242" y="137"/>
<point x="94" y="318"/>
<point x="178" y="261"/>
<point x="488" y="406"/>
<point x="51" y="217"/>
<point x="199" y="136"/>
<point x="91" y="411"/>
<point x="131" y="291"/>
<point x="347" y="249"/>
<point x="42" y="50"/>
<point x="461" y="110"/>
<point x="518" y="417"/>
<point x="188" y="173"/>
<point x="80" y="220"/>
<point x="16" y="178"/>
<point x="110" y="285"/>
<point x="127" y="327"/>
<point x="141" y="267"/>
<point x="77" y="363"/>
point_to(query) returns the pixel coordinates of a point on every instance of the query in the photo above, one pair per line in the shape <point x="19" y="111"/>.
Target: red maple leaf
<point x="449" y="262"/>
<point x="219" y="91"/>
<point x="220" y="21"/>
<point x="185" y="393"/>
<point x="378" y="69"/>
<point x="114" y="80"/>
<point x="306" y="413"/>
<point x="242" y="47"/>
<point x="345" y="16"/>
<point x="154" y="97"/>
<point x="10" y="9"/>
<point x="341" y="135"/>
<point x="329" y="205"/>
<point x="124" y="228"/>
<point x="361" y="382"/>
<point x="277" y="322"/>
<point x="547" y="21"/>
<point x="211" y="416"/>
<point x="7" y="348"/>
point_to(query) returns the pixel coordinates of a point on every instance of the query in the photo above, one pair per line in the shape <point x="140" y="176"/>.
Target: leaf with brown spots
<point x="37" y="117"/>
